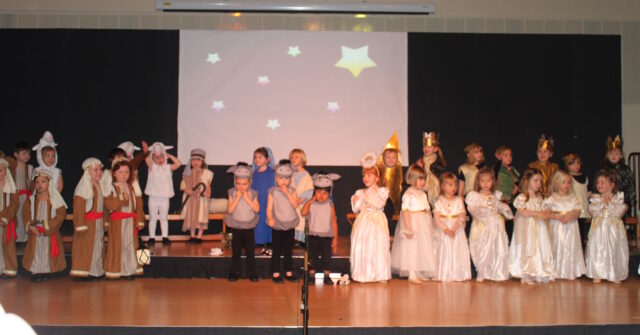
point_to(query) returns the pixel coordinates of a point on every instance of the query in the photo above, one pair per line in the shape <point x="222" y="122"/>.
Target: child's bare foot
<point x="479" y="279"/>
<point x="425" y="279"/>
<point x="596" y="280"/>
<point x="415" y="280"/>
<point x="617" y="282"/>
<point x="384" y="282"/>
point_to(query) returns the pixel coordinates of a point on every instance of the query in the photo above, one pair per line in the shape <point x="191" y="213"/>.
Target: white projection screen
<point x="336" y="95"/>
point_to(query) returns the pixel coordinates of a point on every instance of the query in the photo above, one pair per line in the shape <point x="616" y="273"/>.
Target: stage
<point x="211" y="304"/>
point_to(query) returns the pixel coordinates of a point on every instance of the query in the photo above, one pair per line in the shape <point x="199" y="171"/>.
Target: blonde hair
<point x="469" y="149"/>
<point x="502" y="149"/>
<point x="301" y="152"/>
<point x="447" y="176"/>
<point x="485" y="171"/>
<point x="557" y="178"/>
<point x="413" y="174"/>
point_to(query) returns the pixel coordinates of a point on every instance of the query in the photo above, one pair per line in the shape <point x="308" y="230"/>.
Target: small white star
<point x="263" y="80"/>
<point x="213" y="58"/>
<point x="218" y="105"/>
<point x="294" y="51"/>
<point x="273" y="124"/>
<point x="355" y="60"/>
<point x="333" y="106"/>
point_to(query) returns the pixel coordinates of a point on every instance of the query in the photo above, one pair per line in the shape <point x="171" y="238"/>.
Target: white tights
<point x="158" y="211"/>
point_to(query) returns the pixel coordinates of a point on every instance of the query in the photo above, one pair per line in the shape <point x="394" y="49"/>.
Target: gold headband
<point x="545" y="143"/>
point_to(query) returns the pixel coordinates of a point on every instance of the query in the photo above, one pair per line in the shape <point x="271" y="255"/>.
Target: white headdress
<point x="9" y="184"/>
<point x="128" y="148"/>
<point x="159" y="148"/>
<point x="54" y="196"/>
<point x="85" y="186"/>
<point x="45" y="141"/>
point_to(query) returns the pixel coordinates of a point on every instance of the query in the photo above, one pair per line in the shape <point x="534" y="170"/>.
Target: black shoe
<point x="191" y="240"/>
<point x="277" y="280"/>
<point x="327" y="281"/>
<point x="128" y="278"/>
<point x="253" y="278"/>
<point x="197" y="241"/>
<point x="233" y="277"/>
<point x="291" y="278"/>
<point x="166" y="241"/>
<point x="151" y="241"/>
<point x="94" y="279"/>
<point x="36" y="278"/>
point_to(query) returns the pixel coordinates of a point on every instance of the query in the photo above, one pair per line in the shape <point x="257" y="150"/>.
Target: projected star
<point x="218" y="105"/>
<point x="273" y="124"/>
<point x="294" y="51"/>
<point x="213" y="58"/>
<point x="263" y="80"/>
<point x="355" y="60"/>
<point x="333" y="106"/>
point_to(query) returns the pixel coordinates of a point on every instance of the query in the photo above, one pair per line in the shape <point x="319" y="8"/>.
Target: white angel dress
<point x="565" y="237"/>
<point x="488" y="241"/>
<point x="452" y="253"/>
<point x="370" y="256"/>
<point x="607" y="246"/>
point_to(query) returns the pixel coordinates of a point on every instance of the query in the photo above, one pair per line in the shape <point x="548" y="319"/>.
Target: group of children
<point x="430" y="242"/>
<point x="274" y="204"/>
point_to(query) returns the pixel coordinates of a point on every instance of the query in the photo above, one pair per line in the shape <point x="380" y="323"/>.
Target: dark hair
<point x="611" y="176"/>
<point x="485" y="171"/>
<point x="284" y="161"/>
<point x="116" y="152"/>
<point x="242" y="164"/>
<point x="524" y="181"/>
<point x="21" y="146"/>
<point x="121" y="163"/>
<point x="263" y="151"/>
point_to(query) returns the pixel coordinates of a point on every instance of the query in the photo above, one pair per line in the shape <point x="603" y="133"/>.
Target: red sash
<point x="23" y="192"/>
<point x="11" y="231"/>
<point x="55" y="251"/>
<point x="92" y="216"/>
<point x="122" y="215"/>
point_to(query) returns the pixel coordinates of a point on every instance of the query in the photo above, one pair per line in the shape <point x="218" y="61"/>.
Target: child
<point x="242" y="218"/>
<point x="506" y="175"/>
<point x="488" y="240"/>
<point x="323" y="225"/>
<point x="390" y="167"/>
<point x="614" y="161"/>
<point x="607" y="248"/>
<point x="21" y="172"/>
<point x="413" y="253"/>
<point x="467" y="171"/>
<point x="126" y="219"/>
<point x="43" y="214"/>
<point x="580" y="187"/>
<point x="88" y="220"/>
<point x="547" y="169"/>
<point x="452" y="248"/>
<point x="136" y="160"/>
<point x="530" y="253"/>
<point x="283" y="218"/>
<point x="8" y="208"/>
<point x="263" y="180"/>
<point x="196" y="184"/>
<point x="160" y="189"/>
<point x="563" y="225"/>
<point x="303" y="184"/>
<point x="433" y="163"/>
<point x="48" y="158"/>
<point x="370" y="256"/>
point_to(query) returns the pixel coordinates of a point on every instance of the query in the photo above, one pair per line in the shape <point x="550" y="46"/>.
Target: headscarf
<point x="54" y="196"/>
<point x="85" y="186"/>
<point x="9" y="184"/>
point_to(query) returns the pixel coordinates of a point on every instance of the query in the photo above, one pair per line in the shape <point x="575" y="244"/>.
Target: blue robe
<point x="262" y="182"/>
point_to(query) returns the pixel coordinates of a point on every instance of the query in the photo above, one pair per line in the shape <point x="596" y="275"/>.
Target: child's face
<point x="369" y="179"/>
<point x="477" y="155"/>
<point x="420" y="182"/>
<point x="95" y="172"/>
<point x="122" y="174"/>
<point x="322" y="195"/>
<point x="390" y="158"/>
<point x="565" y="185"/>
<point x="429" y="150"/>
<point x="159" y="159"/>
<point x="575" y="167"/>
<point x="506" y="157"/>
<point x="259" y="160"/>
<point x="196" y="163"/>
<point x="282" y="181"/>
<point x="544" y="154"/>
<point x="604" y="185"/>
<point x="614" y="155"/>
<point x="296" y="159"/>
<point x="242" y="184"/>
<point x="3" y="173"/>
<point x="535" y="182"/>
<point x="486" y="182"/>
<point x="42" y="184"/>
<point x="450" y="187"/>
<point x="49" y="157"/>
<point x="23" y="156"/>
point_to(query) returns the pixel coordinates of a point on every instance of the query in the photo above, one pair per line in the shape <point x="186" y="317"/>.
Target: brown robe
<point x="113" y="259"/>
<point x="57" y="263"/>
<point x="13" y="166"/>
<point x="9" y="247"/>
<point x="83" y="236"/>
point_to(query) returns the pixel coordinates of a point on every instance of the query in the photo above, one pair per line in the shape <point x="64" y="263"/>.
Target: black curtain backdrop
<point x="97" y="88"/>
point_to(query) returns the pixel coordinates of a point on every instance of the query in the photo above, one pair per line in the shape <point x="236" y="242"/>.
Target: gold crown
<point x="430" y="139"/>
<point x="545" y="143"/>
<point x="615" y="143"/>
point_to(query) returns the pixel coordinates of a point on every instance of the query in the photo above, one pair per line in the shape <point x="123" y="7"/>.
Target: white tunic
<point x="565" y="237"/>
<point x="452" y="253"/>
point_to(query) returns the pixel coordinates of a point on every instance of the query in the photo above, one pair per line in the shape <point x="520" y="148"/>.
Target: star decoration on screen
<point x="263" y="80"/>
<point x="213" y="58"/>
<point x="294" y="51"/>
<point x="218" y="105"/>
<point x="355" y="60"/>
<point x="273" y="124"/>
<point x="333" y="106"/>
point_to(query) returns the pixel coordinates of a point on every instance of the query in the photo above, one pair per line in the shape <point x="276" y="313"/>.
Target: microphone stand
<point x="304" y="307"/>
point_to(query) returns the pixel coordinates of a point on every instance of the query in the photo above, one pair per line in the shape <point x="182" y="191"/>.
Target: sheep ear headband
<point x="241" y="171"/>
<point x="283" y="170"/>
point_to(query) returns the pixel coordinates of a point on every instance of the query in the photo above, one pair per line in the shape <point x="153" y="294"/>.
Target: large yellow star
<point x="355" y="60"/>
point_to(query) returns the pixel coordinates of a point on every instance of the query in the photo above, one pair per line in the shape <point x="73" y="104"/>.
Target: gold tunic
<point x="547" y="169"/>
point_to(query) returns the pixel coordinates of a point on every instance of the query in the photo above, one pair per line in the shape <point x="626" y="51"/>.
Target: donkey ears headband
<point x="240" y="171"/>
<point x="325" y="180"/>
<point x="283" y="170"/>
